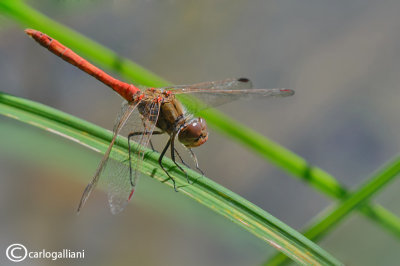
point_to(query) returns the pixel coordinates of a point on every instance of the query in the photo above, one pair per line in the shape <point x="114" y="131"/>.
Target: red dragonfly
<point x="157" y="108"/>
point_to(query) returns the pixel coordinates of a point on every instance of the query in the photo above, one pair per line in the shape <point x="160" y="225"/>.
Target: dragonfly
<point x="152" y="111"/>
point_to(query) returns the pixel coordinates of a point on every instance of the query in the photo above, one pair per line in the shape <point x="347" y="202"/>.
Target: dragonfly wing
<point x="125" y="113"/>
<point x="231" y="83"/>
<point x="149" y="118"/>
<point x="216" y="93"/>
<point x="123" y="176"/>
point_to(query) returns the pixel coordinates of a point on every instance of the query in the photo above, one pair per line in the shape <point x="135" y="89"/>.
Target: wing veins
<point x="117" y="128"/>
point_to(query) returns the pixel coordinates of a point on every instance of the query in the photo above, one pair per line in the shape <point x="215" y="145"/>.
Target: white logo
<point x="16" y="252"/>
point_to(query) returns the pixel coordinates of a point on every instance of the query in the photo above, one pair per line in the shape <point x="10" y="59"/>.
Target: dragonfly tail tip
<point x="30" y="32"/>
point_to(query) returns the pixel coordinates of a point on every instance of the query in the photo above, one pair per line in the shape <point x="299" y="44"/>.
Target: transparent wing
<point x="226" y="84"/>
<point x="216" y="93"/>
<point x="125" y="113"/>
<point x="122" y="178"/>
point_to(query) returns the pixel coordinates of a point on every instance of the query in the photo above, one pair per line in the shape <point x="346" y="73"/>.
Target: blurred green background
<point x="341" y="58"/>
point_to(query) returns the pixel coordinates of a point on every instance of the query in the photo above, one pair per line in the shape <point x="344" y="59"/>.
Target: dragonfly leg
<point x="131" y="135"/>
<point x="196" y="161"/>
<point x="161" y="165"/>
<point x="130" y="158"/>
<point x="173" y="159"/>
<point x="151" y="146"/>
<point x="180" y="158"/>
<point x="193" y="155"/>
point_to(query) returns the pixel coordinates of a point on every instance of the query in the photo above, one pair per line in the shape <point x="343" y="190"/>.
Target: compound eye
<point x="194" y="133"/>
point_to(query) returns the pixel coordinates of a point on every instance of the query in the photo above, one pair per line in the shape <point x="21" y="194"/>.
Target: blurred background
<point x="342" y="59"/>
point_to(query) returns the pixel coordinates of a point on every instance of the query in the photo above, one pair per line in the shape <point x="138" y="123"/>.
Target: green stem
<point x="321" y="226"/>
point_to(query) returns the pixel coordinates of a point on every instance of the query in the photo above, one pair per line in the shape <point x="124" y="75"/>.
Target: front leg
<point x="193" y="155"/>
<point x="195" y="161"/>
<point x="173" y="158"/>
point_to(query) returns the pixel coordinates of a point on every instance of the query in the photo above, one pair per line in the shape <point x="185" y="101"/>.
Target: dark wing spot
<point x="243" y="80"/>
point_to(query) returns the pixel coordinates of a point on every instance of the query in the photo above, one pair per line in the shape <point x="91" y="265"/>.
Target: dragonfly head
<point x="194" y="133"/>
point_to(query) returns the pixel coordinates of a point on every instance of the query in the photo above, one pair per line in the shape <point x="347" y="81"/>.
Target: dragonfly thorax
<point x="193" y="133"/>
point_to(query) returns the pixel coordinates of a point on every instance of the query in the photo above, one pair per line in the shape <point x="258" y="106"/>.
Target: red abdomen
<point x="127" y="91"/>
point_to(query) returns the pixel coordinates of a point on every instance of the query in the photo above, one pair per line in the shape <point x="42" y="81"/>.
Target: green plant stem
<point x="324" y="223"/>
<point x="203" y="190"/>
